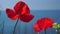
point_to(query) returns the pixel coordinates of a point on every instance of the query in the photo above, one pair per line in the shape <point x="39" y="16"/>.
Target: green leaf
<point x="55" y="25"/>
<point x="58" y="25"/>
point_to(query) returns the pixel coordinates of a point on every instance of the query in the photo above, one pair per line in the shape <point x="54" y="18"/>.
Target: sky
<point x="33" y="4"/>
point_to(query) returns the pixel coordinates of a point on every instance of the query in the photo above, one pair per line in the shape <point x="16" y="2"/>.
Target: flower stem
<point x="3" y="28"/>
<point x="25" y="31"/>
<point x="56" y="30"/>
<point x="44" y="31"/>
<point x="15" y="26"/>
<point x="37" y="32"/>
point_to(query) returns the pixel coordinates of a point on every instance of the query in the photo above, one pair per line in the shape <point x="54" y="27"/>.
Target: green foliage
<point x="57" y="27"/>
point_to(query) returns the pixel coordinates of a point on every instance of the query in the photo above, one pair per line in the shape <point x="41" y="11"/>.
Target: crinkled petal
<point x="21" y="8"/>
<point x="45" y="23"/>
<point x="40" y="24"/>
<point x="26" y="17"/>
<point x="11" y="14"/>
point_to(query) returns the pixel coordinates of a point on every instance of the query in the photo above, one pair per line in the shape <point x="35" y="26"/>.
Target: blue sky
<point x="33" y="4"/>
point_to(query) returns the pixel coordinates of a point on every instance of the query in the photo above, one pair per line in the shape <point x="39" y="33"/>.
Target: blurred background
<point x="39" y="8"/>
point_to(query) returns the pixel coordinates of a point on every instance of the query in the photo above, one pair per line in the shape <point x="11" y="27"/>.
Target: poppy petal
<point x="21" y="8"/>
<point x="25" y="10"/>
<point x="36" y="28"/>
<point x="26" y="17"/>
<point x="40" y="24"/>
<point x="11" y="14"/>
<point x="45" y="23"/>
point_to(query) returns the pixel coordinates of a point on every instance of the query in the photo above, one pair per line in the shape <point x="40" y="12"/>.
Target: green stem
<point x="56" y="31"/>
<point x="3" y="28"/>
<point x="37" y="32"/>
<point x="44" y="31"/>
<point x="15" y="26"/>
<point x="25" y="31"/>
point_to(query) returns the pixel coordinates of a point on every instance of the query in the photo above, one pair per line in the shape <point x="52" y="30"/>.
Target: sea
<point x="27" y="28"/>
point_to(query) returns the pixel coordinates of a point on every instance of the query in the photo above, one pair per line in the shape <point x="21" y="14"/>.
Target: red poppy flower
<point x="43" y="23"/>
<point x="21" y="10"/>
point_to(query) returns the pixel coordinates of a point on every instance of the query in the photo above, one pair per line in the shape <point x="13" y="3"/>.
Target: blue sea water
<point x="20" y="29"/>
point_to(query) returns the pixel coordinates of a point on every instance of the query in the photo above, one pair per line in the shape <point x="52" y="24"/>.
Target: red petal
<point x="45" y="23"/>
<point x="40" y="24"/>
<point x="26" y="17"/>
<point x="21" y="8"/>
<point x="11" y="14"/>
<point x="36" y="28"/>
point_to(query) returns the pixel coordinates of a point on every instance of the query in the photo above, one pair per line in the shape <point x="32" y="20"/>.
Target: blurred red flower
<point x="44" y="23"/>
<point x="21" y="10"/>
<point x="36" y="27"/>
